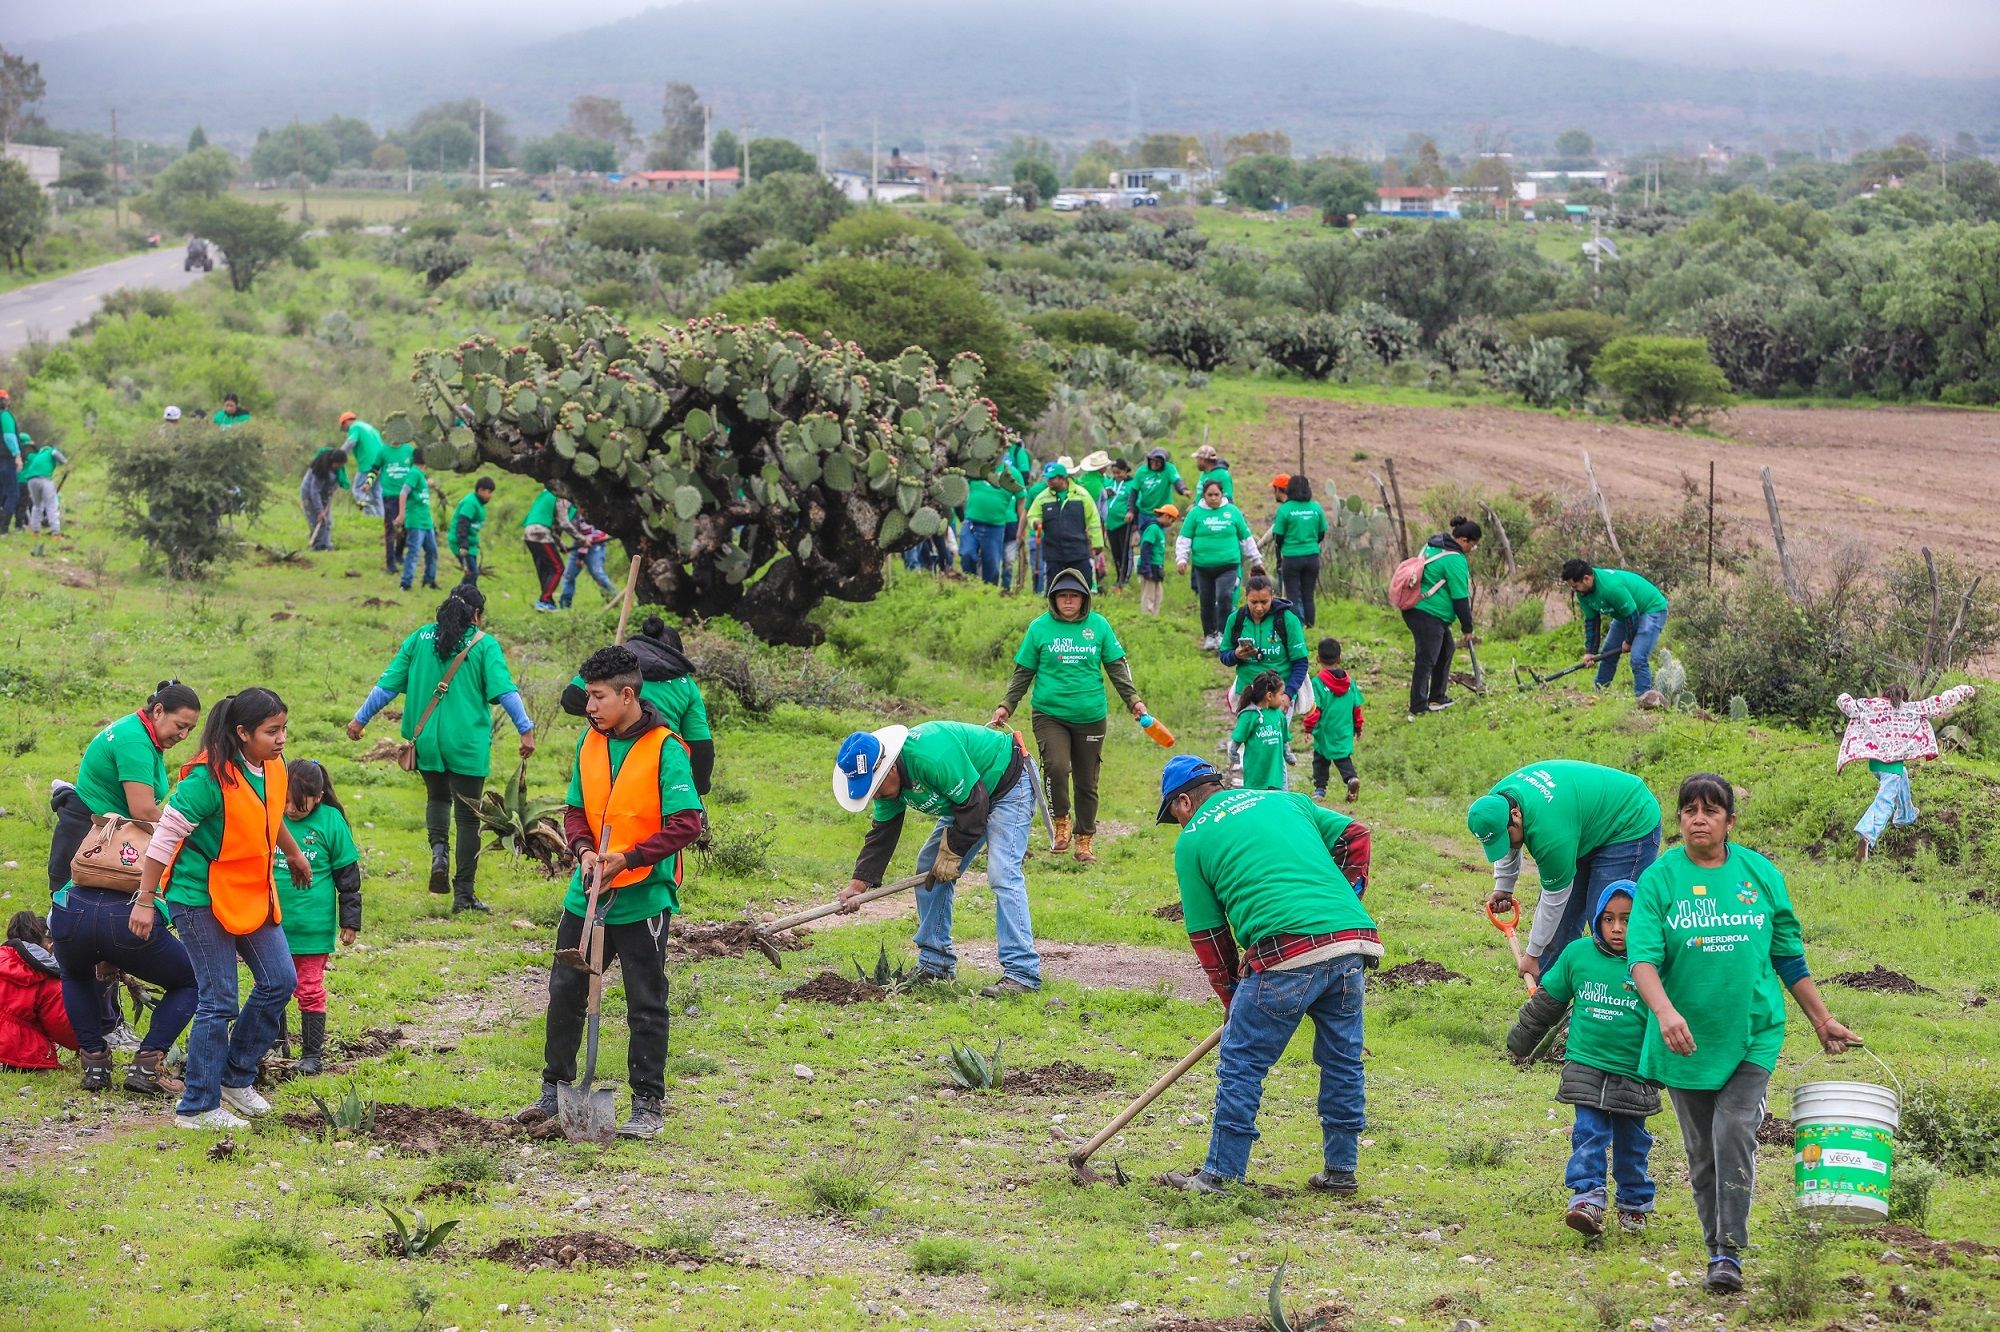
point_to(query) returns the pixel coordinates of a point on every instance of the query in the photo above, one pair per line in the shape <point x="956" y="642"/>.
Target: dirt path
<point x="1104" y="966"/>
<point x="1894" y="477"/>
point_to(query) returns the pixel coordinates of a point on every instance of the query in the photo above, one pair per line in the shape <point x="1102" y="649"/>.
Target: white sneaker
<point x="217" y="1118"/>
<point x="246" y="1100"/>
<point x="122" y="1037"/>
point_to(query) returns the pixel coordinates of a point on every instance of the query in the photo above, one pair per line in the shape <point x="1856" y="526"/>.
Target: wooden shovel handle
<point x="1147" y="1097"/>
<point x="631" y="589"/>
<point x="798" y="918"/>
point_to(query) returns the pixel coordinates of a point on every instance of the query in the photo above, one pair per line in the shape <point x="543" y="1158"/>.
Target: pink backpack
<point x="1406" y="584"/>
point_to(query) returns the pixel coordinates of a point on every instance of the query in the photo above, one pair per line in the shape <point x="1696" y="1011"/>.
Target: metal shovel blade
<point x="587" y="1114"/>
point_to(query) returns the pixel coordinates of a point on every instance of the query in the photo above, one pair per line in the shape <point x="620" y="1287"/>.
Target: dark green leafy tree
<point x="1328" y="271"/>
<point x="442" y="145"/>
<point x="197" y="138"/>
<point x="603" y="118"/>
<point x="724" y="151"/>
<point x="171" y="487"/>
<point x="354" y="141"/>
<point x="252" y="236"/>
<point x="1337" y="184"/>
<point x="280" y="154"/>
<point x="1261" y="180"/>
<point x="1661" y="379"/>
<point x="1434" y="273"/>
<point x="770" y="156"/>
<point x="24" y="212"/>
<point x="192" y="179"/>
<point x="21" y="86"/>
<point x="565" y="150"/>
<point x="464" y="113"/>
<point x="677" y="144"/>
<point x="1038" y="174"/>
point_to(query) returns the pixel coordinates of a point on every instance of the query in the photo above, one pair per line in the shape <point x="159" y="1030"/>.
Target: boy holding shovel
<point x="632" y="794"/>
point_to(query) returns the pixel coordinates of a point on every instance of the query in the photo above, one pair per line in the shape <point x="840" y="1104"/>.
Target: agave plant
<point x="894" y="979"/>
<point x="416" y="1237"/>
<point x="352" y="1115"/>
<point x="1280" y="1321"/>
<point x="523" y="826"/>
<point x="973" y="1071"/>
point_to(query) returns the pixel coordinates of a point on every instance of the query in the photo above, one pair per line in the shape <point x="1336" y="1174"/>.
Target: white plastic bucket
<point x="1843" y="1150"/>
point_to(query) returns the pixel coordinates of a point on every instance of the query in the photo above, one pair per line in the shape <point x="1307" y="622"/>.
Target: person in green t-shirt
<point x="38" y="476"/>
<point x="451" y="731"/>
<point x="981" y="788"/>
<point x="466" y="522"/>
<point x="1151" y="564"/>
<point x="1210" y="466"/>
<point x="1585" y="825"/>
<point x="1263" y="635"/>
<point x="539" y="532"/>
<point x="669" y="685"/>
<point x="1065" y="656"/>
<point x="1214" y="541"/>
<point x="10" y="466"/>
<point x="1590" y="983"/>
<point x="1638" y="614"/>
<point x="231" y="412"/>
<point x="1445" y="589"/>
<point x="1116" y="507"/>
<point x="364" y="445"/>
<point x="630" y="813"/>
<point x="1271" y="887"/>
<point x="992" y="503"/>
<point x="1157" y="482"/>
<point x="1714" y="945"/>
<point x="1298" y="528"/>
<point x="419" y="529"/>
<point x="318" y="824"/>
<point x="1263" y="731"/>
<point x="1335" y="722"/>
<point x="393" y="467"/>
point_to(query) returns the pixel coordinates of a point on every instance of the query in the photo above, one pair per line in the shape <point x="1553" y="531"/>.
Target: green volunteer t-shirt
<point x="1333" y="734"/>
<point x="1261" y="862"/>
<point x="660" y="889"/>
<point x="1153" y="545"/>
<point x="199" y="800"/>
<point x="42" y="462"/>
<point x="1620" y="594"/>
<point x="1068" y="659"/>
<point x="473" y="510"/>
<point x="1450" y="575"/>
<point x="1897" y="769"/>
<point x="459" y="736"/>
<point x="397" y="462"/>
<point x="994" y="499"/>
<point x="942" y="761"/>
<point x="1215" y="536"/>
<point x="121" y="752"/>
<point x="1117" y="504"/>
<point x="1263" y="733"/>
<point x="1092" y="483"/>
<point x="1299" y="525"/>
<point x="1607" y="1021"/>
<point x="1276" y="642"/>
<point x="1151" y="489"/>
<point x="226" y="420"/>
<point x="1570" y="809"/>
<point x="365" y="443"/>
<point x="542" y="513"/>
<point x="312" y="915"/>
<point x="1712" y="934"/>
<point x="416" y="494"/>
<point x="1221" y="476"/>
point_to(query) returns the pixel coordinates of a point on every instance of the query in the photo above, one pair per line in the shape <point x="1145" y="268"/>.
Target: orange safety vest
<point x="631" y="801"/>
<point x="240" y="887"/>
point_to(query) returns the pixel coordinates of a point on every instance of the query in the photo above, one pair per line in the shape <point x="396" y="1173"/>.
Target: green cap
<point x="1487" y="819"/>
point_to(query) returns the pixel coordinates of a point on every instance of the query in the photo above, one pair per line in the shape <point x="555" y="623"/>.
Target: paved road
<point x="50" y="309"/>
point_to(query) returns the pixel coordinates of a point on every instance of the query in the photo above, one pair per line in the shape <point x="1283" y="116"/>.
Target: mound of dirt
<point x="424" y="1129"/>
<point x="380" y="752"/>
<point x="375" y="603"/>
<point x="1881" y="979"/>
<point x="576" y="1249"/>
<point x="1061" y="1078"/>
<point x="370" y="1043"/>
<point x="1913" y="1243"/>
<point x="1171" y="911"/>
<point x="1329" y="1316"/>
<point x="829" y="988"/>
<point x="729" y="938"/>
<point x="1419" y="973"/>
<point x="447" y="1189"/>
<point x="1774" y="1132"/>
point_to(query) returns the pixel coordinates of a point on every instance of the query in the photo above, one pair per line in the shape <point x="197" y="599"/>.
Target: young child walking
<point x="1889" y="732"/>
<point x="318" y="824"/>
<point x="1336" y="723"/>
<point x="1263" y="730"/>
<point x="1153" y="557"/>
<point x="1600" y="1076"/>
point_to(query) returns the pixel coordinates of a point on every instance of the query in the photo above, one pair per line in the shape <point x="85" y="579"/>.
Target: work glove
<point x="948" y="865"/>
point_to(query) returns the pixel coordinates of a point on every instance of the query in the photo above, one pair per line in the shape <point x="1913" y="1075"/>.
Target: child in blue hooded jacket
<point x="1600" y="1077"/>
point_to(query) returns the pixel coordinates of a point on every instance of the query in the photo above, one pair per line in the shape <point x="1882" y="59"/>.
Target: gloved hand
<point x="948" y="865"/>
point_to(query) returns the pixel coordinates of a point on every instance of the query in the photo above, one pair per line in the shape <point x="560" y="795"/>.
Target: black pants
<point x="392" y="537"/>
<point x="641" y="950"/>
<point x="1214" y="589"/>
<point x="1071" y="756"/>
<point x="72" y="826"/>
<point x="548" y="559"/>
<point x="1430" y="672"/>
<point x="1121" y="552"/>
<point x="1084" y="569"/>
<point x="445" y="797"/>
<point x="1321" y="768"/>
<point x="1301" y="578"/>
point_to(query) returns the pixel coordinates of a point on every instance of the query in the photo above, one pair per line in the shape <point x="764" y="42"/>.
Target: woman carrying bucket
<point x="1713" y="945"/>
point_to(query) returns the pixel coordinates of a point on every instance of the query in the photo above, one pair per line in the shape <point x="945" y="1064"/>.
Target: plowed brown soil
<point x="831" y="988"/>
<point x="1880" y="979"/>
<point x="730" y="938"/>
<point x="427" y="1129"/>
<point x="1415" y="974"/>
<point x="1061" y="1078"/>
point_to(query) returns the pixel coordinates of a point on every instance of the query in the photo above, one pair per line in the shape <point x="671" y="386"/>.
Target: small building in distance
<point x="43" y="163"/>
<point x="1414" y="201"/>
<point x="720" y="182"/>
<point x="1151" y="180"/>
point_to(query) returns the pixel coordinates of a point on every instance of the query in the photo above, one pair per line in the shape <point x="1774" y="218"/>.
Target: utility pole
<point x="117" y="194"/>
<point x="874" y="158"/>
<point x="822" y="147"/>
<point x="707" y="162"/>
<point x="299" y="147"/>
<point x="482" y="147"/>
<point x="743" y="183"/>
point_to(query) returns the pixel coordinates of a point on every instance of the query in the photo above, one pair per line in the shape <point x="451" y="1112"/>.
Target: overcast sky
<point x="1934" y="36"/>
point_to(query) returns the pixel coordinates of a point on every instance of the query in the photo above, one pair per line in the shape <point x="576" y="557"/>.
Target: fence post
<point x="1603" y="507"/>
<point x="1711" y="521"/>
<point x="1402" y="522"/>
<point x="1792" y="588"/>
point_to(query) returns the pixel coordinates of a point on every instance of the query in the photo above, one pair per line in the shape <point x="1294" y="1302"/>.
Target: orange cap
<point x="1280" y="481"/>
<point x="1167" y="511"/>
<point x="348" y="418"/>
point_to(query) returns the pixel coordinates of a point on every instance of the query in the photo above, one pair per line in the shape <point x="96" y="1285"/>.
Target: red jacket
<point x="32" y="1019"/>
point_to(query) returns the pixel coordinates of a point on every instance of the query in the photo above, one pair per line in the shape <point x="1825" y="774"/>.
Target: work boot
<point x="469" y="903"/>
<point x="645" y="1120"/>
<point x="1004" y="988"/>
<point x="1083" y="852"/>
<point x="1195" y="1181"/>
<point x="312" y="1045"/>
<point x="543" y="1109"/>
<point x="440" y="868"/>
<point x="1725" y="1275"/>
<point x="1062" y="834"/>
<point x="1585" y="1218"/>
<point x="1353" y="788"/>
<point x="96" y="1069"/>
<point x="1632" y="1223"/>
<point x="149" y="1077"/>
<point x="1340" y="1182"/>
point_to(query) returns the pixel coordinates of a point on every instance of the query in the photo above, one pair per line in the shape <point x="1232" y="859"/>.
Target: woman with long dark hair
<point x="455" y="673"/>
<point x="210" y="860"/>
<point x="1298" y="527"/>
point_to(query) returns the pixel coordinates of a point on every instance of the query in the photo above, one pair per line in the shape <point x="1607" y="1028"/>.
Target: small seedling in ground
<point x="1910" y="1193"/>
<point x="885" y="977"/>
<point x="941" y="1255"/>
<point x="1275" y="1299"/>
<point x="973" y="1071"/>
<point x="466" y="1165"/>
<point x="1478" y="1153"/>
<point x="1793" y="1274"/>
<point x="838" y="1190"/>
<point x="351" y="1115"/>
<point x="416" y="1237"/>
<point x="528" y="828"/>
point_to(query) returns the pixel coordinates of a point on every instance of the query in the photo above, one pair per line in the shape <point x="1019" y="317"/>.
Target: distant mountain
<point x="1330" y="74"/>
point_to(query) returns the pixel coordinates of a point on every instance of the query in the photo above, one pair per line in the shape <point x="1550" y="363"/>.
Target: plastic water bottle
<point x="1157" y="729"/>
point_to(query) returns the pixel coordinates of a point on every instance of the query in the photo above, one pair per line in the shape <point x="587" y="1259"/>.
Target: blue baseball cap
<point x="1181" y="772"/>
<point x="1054" y="469"/>
<point x="863" y="760"/>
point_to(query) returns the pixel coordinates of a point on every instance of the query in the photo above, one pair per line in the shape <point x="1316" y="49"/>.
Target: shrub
<point x="1190" y="325"/>
<point x="1388" y="335"/>
<point x="1315" y="346"/>
<point x="1092" y="327"/>
<point x="941" y="1255"/>
<point x="1661" y="379"/>
<point x="1519" y="620"/>
<point x="1750" y="640"/>
<point x="1953" y="1125"/>
<point x="1473" y="343"/>
<point x="1910" y="1192"/>
<point x="637" y="231"/>
<point x="174" y="488"/>
<point x="740" y="849"/>
<point x="1584" y="333"/>
<point x="290" y="1247"/>
<point x="883" y="232"/>
<point x="1544" y="375"/>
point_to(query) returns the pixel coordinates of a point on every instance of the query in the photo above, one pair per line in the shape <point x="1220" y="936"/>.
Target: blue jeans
<point x="1267" y="1009"/>
<point x="1035" y="560"/>
<point x="1642" y="639"/>
<point x="1594" y="873"/>
<point x="1892" y="803"/>
<point x="10" y="490"/>
<point x="1008" y="824"/>
<point x="470" y="559"/>
<point x="217" y="1055"/>
<point x="93" y="925"/>
<point x="982" y="549"/>
<point x="427" y="542"/>
<point x="1625" y="1139"/>
<point x="367" y="495"/>
<point x="588" y="556"/>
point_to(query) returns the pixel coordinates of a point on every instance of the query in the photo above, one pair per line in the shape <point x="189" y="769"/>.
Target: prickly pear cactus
<point x="756" y="472"/>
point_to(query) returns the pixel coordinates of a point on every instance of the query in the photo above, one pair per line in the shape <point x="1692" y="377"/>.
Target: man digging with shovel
<point x="631" y="811"/>
<point x="1281" y="877"/>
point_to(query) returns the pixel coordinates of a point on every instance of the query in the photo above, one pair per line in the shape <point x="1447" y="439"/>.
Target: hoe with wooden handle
<point x="761" y="936"/>
<point x="1079" y="1160"/>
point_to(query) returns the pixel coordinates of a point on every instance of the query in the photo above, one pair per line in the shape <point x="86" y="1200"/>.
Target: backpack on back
<point x="1406" y="584"/>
